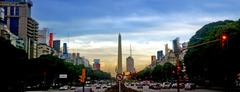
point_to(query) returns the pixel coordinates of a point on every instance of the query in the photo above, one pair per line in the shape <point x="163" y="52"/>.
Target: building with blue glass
<point x="65" y="51"/>
<point x="56" y="45"/>
<point x="159" y="55"/>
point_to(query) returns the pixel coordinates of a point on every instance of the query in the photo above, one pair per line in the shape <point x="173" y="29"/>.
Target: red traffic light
<point x="224" y="37"/>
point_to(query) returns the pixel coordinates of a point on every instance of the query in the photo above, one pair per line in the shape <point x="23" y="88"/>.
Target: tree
<point x="168" y="68"/>
<point x="157" y="73"/>
<point x="211" y="62"/>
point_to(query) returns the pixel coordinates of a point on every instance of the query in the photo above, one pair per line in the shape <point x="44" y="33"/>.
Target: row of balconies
<point x="32" y="27"/>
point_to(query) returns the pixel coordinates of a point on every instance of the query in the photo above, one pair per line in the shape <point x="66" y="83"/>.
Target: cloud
<point x="91" y="27"/>
<point x="133" y="23"/>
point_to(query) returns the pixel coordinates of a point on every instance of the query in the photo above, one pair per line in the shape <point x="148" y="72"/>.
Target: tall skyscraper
<point x="51" y="40"/>
<point x="119" y="66"/>
<point x="18" y="19"/>
<point x="43" y="36"/>
<point x="65" y="51"/>
<point x="166" y="49"/>
<point x="56" y="45"/>
<point x="159" y="55"/>
<point x="176" y="45"/>
<point x="130" y="63"/>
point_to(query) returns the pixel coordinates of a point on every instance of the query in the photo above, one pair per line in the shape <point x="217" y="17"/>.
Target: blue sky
<point x="109" y="16"/>
<point x="93" y="25"/>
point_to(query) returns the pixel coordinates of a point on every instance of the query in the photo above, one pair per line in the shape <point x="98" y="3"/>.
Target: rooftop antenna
<point x="68" y="38"/>
<point x="130" y="50"/>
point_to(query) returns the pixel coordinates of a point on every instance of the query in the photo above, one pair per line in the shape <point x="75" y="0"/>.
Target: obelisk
<point x="119" y="71"/>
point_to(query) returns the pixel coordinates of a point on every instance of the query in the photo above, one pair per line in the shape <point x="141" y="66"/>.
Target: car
<point x="166" y="85"/>
<point x="72" y="88"/>
<point x="155" y="87"/>
<point x="87" y="85"/>
<point x="104" y="87"/>
<point x="174" y="85"/>
<point x="189" y="86"/>
<point x="98" y="87"/>
<point x="140" y="87"/>
<point x="109" y="86"/>
<point x="64" y="87"/>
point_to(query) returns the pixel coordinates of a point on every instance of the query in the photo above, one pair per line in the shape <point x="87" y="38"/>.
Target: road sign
<point x="119" y="77"/>
<point x="62" y="75"/>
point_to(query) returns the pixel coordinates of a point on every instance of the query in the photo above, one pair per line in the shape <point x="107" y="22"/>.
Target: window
<point x="5" y="10"/>
<point x="12" y="10"/>
<point x="14" y="25"/>
<point x="17" y="11"/>
<point x="29" y="11"/>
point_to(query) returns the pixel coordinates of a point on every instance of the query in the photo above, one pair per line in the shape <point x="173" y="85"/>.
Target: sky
<point x="91" y="27"/>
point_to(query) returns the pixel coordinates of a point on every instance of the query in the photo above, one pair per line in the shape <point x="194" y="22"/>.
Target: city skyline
<point x="91" y="27"/>
<point x="120" y="45"/>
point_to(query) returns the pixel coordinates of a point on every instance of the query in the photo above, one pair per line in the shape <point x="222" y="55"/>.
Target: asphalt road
<point x="146" y="89"/>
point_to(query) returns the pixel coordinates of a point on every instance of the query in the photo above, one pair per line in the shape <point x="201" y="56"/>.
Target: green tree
<point x="212" y="62"/>
<point x="157" y="73"/>
<point x="168" y="68"/>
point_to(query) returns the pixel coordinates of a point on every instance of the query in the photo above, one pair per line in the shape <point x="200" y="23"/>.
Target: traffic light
<point x="224" y="39"/>
<point x="83" y="76"/>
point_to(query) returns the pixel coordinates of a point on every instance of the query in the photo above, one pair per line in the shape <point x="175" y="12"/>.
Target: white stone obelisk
<point x="119" y="67"/>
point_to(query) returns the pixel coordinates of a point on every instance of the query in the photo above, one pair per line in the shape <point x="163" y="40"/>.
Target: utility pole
<point x="119" y="86"/>
<point x="119" y="78"/>
<point x="178" y="72"/>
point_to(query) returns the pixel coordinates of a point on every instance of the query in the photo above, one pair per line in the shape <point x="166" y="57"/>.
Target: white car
<point x="166" y="85"/>
<point x="64" y="87"/>
<point x="73" y="88"/>
<point x="189" y="86"/>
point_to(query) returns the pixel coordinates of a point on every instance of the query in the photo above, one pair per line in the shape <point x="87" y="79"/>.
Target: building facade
<point x="4" y="31"/>
<point x="50" y="39"/>
<point x="18" y="19"/>
<point x="159" y="55"/>
<point x="176" y="45"/>
<point x="96" y="64"/>
<point x="65" y="51"/>
<point x="56" y="45"/>
<point x="44" y="49"/>
<point x="43" y="36"/>
<point x="153" y="59"/>
<point x="130" y="65"/>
